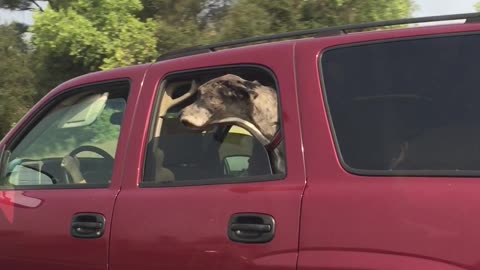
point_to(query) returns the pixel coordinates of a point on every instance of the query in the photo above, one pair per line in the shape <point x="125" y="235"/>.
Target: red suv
<point x="380" y="137"/>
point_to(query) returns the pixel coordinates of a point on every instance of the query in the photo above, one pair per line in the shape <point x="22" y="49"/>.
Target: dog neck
<point x="266" y="120"/>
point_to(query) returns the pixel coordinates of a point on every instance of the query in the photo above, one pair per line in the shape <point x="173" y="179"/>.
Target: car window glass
<point x="81" y="131"/>
<point x="406" y="107"/>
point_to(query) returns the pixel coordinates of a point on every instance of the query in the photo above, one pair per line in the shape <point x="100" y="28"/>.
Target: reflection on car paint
<point x="11" y="199"/>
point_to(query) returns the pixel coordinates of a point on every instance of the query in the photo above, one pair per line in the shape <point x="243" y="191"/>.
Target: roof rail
<point x="319" y="32"/>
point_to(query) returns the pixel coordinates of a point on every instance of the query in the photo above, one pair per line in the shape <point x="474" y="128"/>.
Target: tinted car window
<point x="406" y="107"/>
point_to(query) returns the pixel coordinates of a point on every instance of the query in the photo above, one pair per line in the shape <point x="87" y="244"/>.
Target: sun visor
<point x="84" y="112"/>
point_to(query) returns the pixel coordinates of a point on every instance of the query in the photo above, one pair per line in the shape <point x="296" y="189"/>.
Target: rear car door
<point x="209" y="199"/>
<point x="48" y="219"/>
<point x="394" y="163"/>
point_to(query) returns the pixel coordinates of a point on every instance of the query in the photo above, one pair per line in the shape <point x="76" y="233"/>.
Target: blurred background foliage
<point x="74" y="37"/>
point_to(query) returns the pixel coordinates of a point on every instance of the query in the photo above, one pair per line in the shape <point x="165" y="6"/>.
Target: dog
<point x="233" y="100"/>
<point x="232" y="97"/>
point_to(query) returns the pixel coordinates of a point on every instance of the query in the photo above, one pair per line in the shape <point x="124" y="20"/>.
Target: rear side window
<point x="409" y="107"/>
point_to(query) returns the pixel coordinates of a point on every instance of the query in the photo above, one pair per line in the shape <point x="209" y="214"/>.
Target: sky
<point x="443" y="7"/>
<point x="424" y="8"/>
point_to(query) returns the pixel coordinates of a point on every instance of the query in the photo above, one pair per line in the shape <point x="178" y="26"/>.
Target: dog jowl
<point x="232" y="96"/>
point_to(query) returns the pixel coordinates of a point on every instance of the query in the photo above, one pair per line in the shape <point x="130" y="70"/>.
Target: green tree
<point x="16" y="78"/>
<point x="96" y="34"/>
<point x="172" y="11"/>
<point x="259" y="17"/>
<point x="315" y="13"/>
<point x="248" y="18"/>
<point x="177" y="22"/>
<point x="53" y="69"/>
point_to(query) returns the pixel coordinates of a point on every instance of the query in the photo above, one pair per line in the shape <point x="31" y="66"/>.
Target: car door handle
<point x="261" y="228"/>
<point x="88" y="226"/>
<point x="251" y="228"/>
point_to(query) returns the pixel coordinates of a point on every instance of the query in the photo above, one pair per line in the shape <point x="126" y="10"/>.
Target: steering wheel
<point x="87" y="148"/>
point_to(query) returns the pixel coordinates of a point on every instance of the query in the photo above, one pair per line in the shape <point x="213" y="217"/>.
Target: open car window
<point x="224" y="152"/>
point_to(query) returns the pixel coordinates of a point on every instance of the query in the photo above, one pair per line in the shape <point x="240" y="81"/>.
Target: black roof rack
<point x="320" y="32"/>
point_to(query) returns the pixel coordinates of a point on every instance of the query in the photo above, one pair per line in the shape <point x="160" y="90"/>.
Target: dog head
<point x="220" y="98"/>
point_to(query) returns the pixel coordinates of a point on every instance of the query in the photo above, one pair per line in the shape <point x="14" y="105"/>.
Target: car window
<point x="55" y="142"/>
<point x="178" y="154"/>
<point x="236" y="151"/>
<point x="76" y="138"/>
<point x="406" y="107"/>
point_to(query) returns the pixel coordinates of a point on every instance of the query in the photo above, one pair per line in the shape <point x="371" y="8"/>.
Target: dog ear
<point x="250" y="86"/>
<point x="234" y="91"/>
<point x="239" y="90"/>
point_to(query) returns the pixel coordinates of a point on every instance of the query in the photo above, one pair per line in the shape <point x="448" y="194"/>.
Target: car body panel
<point x="186" y="227"/>
<point x="35" y="223"/>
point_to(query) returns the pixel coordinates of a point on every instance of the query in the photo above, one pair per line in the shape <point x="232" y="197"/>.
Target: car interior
<point x="176" y="153"/>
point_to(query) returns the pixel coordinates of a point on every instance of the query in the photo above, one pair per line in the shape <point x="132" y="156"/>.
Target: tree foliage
<point x="177" y="23"/>
<point x="16" y="78"/>
<point x="104" y="34"/>
<point x="175" y="12"/>
<point x="258" y="17"/>
<point x="352" y="11"/>
<point x="97" y="34"/>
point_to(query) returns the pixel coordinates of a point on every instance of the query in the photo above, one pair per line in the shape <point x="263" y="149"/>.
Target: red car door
<point x="393" y="160"/>
<point x="203" y="200"/>
<point x="49" y="219"/>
